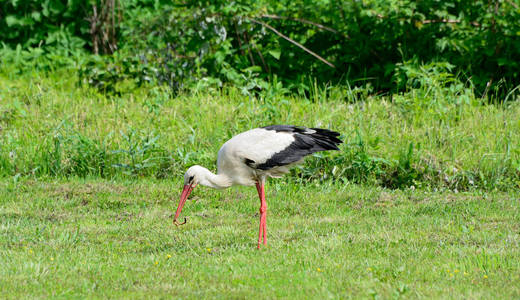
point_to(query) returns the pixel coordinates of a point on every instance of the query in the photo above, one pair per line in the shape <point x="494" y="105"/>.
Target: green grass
<point x="438" y="137"/>
<point x="96" y="238"/>
<point x="421" y="201"/>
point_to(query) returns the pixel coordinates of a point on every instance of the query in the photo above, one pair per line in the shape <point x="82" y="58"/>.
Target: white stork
<point x="250" y="157"/>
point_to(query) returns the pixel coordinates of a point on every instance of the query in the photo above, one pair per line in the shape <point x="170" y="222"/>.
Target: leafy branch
<point x="292" y="41"/>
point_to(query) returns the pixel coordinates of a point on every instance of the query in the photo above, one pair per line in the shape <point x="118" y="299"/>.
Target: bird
<point x="250" y="157"/>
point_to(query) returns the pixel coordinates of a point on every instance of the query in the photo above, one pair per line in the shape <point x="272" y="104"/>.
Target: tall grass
<point x="437" y="134"/>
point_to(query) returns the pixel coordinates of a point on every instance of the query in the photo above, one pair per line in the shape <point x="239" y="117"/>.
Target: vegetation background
<point x="249" y="43"/>
<point x="105" y="103"/>
<point x="437" y="57"/>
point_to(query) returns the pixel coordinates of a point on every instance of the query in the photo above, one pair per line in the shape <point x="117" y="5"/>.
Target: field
<point x="115" y="239"/>
<point x="105" y="104"/>
<point x="421" y="201"/>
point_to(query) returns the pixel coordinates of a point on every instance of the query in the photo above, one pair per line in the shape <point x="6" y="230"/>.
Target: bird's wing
<point x="279" y="145"/>
<point x="255" y="146"/>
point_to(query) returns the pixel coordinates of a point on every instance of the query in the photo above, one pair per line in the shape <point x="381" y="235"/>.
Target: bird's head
<point x="192" y="177"/>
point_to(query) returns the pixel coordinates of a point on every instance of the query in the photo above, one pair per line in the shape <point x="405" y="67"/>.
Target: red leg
<point x="263" y="214"/>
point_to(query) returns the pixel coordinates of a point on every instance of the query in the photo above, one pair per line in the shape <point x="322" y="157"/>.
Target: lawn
<point x="76" y="238"/>
<point x="421" y="201"/>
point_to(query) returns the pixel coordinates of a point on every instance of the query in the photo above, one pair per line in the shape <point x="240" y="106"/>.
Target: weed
<point x="436" y="135"/>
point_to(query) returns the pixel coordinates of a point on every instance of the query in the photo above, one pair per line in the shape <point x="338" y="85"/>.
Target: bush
<point x="182" y="44"/>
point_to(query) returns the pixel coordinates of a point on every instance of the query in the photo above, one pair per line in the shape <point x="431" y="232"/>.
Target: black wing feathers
<point x="306" y="141"/>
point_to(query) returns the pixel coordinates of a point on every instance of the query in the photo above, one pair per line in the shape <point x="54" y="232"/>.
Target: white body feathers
<point x="257" y="145"/>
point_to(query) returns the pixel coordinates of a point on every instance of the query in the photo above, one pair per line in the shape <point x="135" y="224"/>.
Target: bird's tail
<point x="326" y="139"/>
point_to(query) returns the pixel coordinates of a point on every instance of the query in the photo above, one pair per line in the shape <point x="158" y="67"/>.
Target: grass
<point x="437" y="137"/>
<point x="97" y="238"/>
<point x="420" y="202"/>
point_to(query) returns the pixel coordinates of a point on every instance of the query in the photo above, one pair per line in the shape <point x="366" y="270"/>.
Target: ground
<point x="76" y="238"/>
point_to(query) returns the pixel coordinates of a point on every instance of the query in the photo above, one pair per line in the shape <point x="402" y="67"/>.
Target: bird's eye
<point x="190" y="179"/>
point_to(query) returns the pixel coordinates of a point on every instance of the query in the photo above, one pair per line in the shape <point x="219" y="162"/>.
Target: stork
<point x="251" y="156"/>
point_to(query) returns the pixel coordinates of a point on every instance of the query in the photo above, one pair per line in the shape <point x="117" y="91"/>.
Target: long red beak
<point x="184" y="196"/>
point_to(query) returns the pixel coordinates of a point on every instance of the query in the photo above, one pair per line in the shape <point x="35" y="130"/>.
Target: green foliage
<point x="366" y="41"/>
<point x="186" y="44"/>
<point x="53" y="25"/>
<point x="141" y="152"/>
<point x="23" y="61"/>
<point x="437" y="135"/>
<point x="117" y="73"/>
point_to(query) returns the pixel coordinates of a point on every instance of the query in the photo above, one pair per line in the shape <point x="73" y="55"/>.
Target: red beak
<point x="184" y="196"/>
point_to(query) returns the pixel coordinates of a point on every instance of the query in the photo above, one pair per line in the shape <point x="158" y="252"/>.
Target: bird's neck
<point x="216" y="181"/>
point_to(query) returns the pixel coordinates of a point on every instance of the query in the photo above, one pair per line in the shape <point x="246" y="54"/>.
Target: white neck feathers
<point x="216" y="181"/>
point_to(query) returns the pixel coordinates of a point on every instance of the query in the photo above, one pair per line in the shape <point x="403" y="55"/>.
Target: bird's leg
<point x="263" y="214"/>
